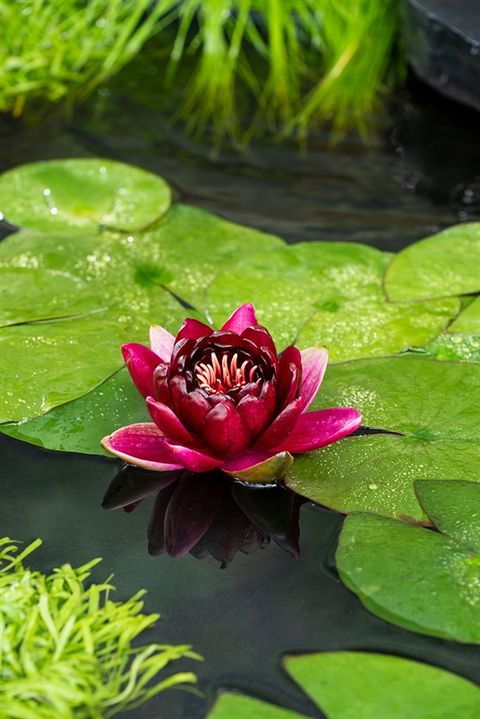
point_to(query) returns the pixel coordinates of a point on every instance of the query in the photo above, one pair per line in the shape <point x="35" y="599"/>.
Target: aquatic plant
<point x="52" y="50"/>
<point x="290" y="65"/>
<point x="225" y="399"/>
<point x="68" y="649"/>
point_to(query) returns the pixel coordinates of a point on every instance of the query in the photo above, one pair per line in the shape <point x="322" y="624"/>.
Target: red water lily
<point x="225" y="399"/>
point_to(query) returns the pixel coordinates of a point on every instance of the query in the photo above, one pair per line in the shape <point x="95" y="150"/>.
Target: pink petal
<point x="141" y="363"/>
<point x="192" y="329"/>
<point x="281" y="426"/>
<point x="193" y="459"/>
<point x="144" y="445"/>
<point x="168" y="423"/>
<point x="245" y="461"/>
<point x="289" y="376"/>
<point x="256" y="412"/>
<point x="243" y="317"/>
<point x="161" y="342"/>
<point x="314" y="364"/>
<point x="224" y="431"/>
<point x="324" y="426"/>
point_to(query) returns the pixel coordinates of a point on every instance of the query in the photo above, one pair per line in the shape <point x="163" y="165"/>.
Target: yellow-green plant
<point x="56" y="49"/>
<point x="66" y="647"/>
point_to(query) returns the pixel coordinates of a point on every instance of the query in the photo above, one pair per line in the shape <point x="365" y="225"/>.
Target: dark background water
<point x="423" y="174"/>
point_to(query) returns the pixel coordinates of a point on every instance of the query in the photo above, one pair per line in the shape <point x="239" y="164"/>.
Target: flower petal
<point x="324" y="426"/>
<point x="161" y="342"/>
<point x="141" y="363"/>
<point x="224" y="431"/>
<point x="193" y="407"/>
<point x="256" y="412"/>
<point x="267" y="471"/>
<point x="193" y="459"/>
<point x="144" y="445"/>
<point x="245" y="461"/>
<point x="314" y="364"/>
<point x="289" y="376"/>
<point x="193" y="329"/>
<point x="281" y="426"/>
<point x="243" y="317"/>
<point x="169" y="424"/>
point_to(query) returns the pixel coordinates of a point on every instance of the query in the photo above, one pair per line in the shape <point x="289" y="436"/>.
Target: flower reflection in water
<point x="208" y="514"/>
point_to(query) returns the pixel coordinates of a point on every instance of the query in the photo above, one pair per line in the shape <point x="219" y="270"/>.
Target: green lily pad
<point x="424" y="581"/>
<point x="454" y="348"/>
<point x="48" y="363"/>
<point x="468" y="322"/>
<point x="79" y="195"/>
<point x="360" y="685"/>
<point x="434" y="410"/>
<point x="79" y="426"/>
<point x="330" y="295"/>
<point x="34" y="294"/>
<point x="441" y="265"/>
<point x="190" y="246"/>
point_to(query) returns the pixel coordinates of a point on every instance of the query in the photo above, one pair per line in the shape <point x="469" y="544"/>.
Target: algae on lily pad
<point x="80" y="195"/>
<point x="454" y="347"/>
<point x="361" y="685"/>
<point x="431" y="413"/>
<point x="425" y="581"/>
<point x="442" y="265"/>
<point x="78" y="426"/>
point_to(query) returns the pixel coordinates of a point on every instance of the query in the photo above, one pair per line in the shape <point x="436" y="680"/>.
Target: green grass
<point x="238" y="67"/>
<point x="51" y="50"/>
<point x="66" y="648"/>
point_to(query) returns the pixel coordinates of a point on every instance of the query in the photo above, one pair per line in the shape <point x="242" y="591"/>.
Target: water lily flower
<point x="226" y="399"/>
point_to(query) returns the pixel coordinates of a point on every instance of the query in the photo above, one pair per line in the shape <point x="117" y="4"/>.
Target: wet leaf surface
<point x="441" y="265"/>
<point x="423" y="580"/>
<point x="79" y="195"/>
<point x="437" y="435"/>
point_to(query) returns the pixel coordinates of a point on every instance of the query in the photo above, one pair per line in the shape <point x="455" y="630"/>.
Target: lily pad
<point x="78" y="426"/>
<point x="48" y="363"/>
<point x="441" y="265"/>
<point x="468" y="322"/>
<point x="360" y="685"/>
<point x="190" y="246"/>
<point x="422" y="580"/>
<point x="433" y="409"/>
<point x="454" y="347"/>
<point x="35" y="294"/>
<point x="79" y="195"/>
<point x="329" y="295"/>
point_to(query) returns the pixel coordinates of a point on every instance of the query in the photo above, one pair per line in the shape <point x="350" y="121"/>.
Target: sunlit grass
<point x="68" y="650"/>
<point x="51" y="50"/>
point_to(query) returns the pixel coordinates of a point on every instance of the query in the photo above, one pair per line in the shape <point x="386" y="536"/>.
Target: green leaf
<point x="320" y="294"/>
<point x="452" y="507"/>
<point x="80" y="195"/>
<point x="422" y="580"/>
<point x="79" y="426"/>
<point x="35" y="294"/>
<point x="434" y="409"/>
<point x="454" y="348"/>
<point x="468" y="322"/>
<point x="236" y="706"/>
<point x="360" y="685"/>
<point x="441" y="265"/>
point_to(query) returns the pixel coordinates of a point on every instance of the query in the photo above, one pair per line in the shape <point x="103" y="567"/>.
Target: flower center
<point x="223" y="374"/>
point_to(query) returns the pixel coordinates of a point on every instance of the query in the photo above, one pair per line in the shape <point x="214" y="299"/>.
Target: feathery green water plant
<point x="51" y="50"/>
<point x="66" y="648"/>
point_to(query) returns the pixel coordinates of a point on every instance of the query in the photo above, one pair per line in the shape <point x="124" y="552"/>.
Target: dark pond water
<point x="423" y="174"/>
